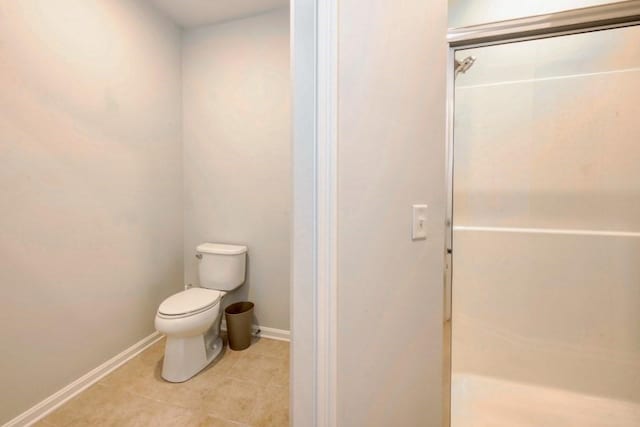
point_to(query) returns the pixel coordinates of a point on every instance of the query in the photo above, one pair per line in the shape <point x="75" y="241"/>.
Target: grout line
<point x="220" y="417"/>
<point x="568" y="232"/>
<point x="253" y="411"/>
<point x="245" y="380"/>
<point x="543" y="79"/>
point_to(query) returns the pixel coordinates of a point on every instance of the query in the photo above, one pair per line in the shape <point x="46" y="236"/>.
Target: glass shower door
<point x="546" y="233"/>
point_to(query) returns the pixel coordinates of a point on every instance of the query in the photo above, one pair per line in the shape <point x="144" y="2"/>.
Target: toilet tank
<point x="221" y="267"/>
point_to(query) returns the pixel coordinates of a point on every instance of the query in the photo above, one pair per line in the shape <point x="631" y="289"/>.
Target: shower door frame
<point x="576" y="21"/>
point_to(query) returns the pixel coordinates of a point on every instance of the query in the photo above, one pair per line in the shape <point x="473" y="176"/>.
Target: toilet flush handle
<point x="199" y="256"/>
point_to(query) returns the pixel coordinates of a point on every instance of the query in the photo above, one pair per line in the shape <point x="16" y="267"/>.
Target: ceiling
<point x="191" y="13"/>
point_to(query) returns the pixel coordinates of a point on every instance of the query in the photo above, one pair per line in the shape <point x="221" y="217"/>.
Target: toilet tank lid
<point x="221" y="249"/>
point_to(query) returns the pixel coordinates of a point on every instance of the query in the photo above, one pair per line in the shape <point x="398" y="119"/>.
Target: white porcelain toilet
<point x="191" y="319"/>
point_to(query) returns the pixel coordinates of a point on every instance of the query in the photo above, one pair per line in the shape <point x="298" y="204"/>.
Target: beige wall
<point x="237" y="152"/>
<point x="471" y="12"/>
<point x="392" y="66"/>
<point x="91" y="180"/>
<point x="546" y="139"/>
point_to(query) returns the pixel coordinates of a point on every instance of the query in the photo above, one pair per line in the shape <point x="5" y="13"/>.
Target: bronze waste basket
<point x="239" y="317"/>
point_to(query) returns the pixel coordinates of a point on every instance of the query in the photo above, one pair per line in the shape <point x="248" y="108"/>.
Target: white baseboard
<point x="264" y="332"/>
<point x="272" y="333"/>
<point x="52" y="402"/>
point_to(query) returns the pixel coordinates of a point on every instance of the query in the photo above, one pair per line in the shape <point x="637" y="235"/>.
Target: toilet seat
<point x="189" y="302"/>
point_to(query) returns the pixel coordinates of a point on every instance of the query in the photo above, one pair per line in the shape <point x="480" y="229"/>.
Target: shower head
<point x="464" y="65"/>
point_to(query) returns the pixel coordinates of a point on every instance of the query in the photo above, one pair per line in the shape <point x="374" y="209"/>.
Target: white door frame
<point x="314" y="48"/>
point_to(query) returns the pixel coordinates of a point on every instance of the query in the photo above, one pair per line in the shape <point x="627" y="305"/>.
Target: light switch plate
<point x="419" y="222"/>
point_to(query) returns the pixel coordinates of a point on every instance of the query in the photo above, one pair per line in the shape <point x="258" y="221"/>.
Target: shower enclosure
<point x="545" y="232"/>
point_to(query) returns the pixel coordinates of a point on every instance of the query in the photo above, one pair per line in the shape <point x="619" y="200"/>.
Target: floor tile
<point x="272" y="348"/>
<point x="281" y="375"/>
<point x="232" y="399"/>
<point x="256" y="368"/>
<point x="242" y="388"/>
<point x="272" y="408"/>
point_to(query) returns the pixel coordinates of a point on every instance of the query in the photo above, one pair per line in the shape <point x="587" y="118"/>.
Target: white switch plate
<point x="419" y="227"/>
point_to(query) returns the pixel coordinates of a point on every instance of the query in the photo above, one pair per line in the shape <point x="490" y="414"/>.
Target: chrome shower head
<point x="464" y="65"/>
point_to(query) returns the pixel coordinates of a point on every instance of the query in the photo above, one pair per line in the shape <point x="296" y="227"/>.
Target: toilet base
<point x="184" y="357"/>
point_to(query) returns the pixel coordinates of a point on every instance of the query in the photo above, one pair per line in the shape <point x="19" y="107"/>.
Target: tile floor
<point x="242" y="388"/>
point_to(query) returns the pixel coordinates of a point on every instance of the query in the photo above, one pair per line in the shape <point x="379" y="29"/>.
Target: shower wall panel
<point x="553" y="310"/>
<point x="546" y="269"/>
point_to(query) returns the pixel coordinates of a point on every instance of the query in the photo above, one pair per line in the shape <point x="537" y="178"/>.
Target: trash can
<point x="239" y="319"/>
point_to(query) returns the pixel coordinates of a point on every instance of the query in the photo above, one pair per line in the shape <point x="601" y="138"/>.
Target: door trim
<point x="314" y="48"/>
<point x="540" y="26"/>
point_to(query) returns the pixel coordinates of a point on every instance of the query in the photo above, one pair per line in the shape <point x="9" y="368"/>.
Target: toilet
<point x="191" y="319"/>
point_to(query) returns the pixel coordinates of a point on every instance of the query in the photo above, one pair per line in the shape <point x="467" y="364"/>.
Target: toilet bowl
<point x="191" y="319"/>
